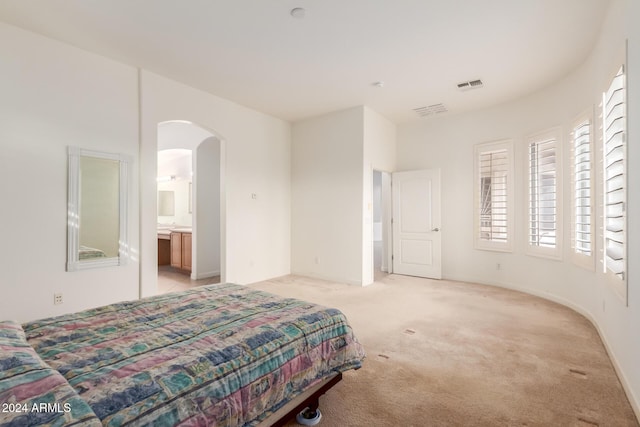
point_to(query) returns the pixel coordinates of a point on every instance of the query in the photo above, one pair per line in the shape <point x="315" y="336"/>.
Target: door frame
<point x="387" y="231"/>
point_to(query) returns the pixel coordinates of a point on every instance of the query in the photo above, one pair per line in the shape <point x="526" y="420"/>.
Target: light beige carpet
<point x="443" y="353"/>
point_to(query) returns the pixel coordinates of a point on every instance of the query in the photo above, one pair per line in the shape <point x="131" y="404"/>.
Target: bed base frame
<point x="308" y="399"/>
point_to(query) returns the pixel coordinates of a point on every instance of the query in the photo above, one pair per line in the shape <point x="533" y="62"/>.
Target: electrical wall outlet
<point x="57" y="299"/>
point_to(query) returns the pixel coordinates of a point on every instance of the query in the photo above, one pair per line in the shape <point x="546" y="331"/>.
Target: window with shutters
<point x="582" y="178"/>
<point x="614" y="174"/>
<point x="545" y="196"/>
<point x="493" y="184"/>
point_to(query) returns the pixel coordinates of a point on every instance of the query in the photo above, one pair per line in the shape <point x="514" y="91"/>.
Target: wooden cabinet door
<point x="176" y="250"/>
<point x="164" y="251"/>
<point x="186" y="251"/>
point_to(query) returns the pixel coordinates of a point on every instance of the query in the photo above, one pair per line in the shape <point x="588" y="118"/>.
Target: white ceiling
<point x="255" y="53"/>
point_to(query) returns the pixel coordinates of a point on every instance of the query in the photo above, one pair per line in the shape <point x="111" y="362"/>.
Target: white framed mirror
<point x="97" y="209"/>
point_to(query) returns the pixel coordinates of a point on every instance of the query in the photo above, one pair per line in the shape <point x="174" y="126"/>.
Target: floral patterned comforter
<point x="223" y="355"/>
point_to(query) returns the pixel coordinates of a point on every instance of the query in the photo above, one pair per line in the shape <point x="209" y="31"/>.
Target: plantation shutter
<point x="493" y="209"/>
<point x="493" y="196"/>
<point x="615" y="176"/>
<point x="542" y="193"/>
<point x="582" y="160"/>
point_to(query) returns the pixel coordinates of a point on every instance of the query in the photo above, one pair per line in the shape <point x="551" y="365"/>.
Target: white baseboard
<point x="327" y="278"/>
<point x="633" y="399"/>
<point x="205" y="275"/>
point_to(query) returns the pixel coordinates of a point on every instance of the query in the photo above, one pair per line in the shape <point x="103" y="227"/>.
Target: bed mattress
<point x="223" y="355"/>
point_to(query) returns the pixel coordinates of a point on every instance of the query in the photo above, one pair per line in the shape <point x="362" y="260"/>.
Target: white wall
<point x="379" y="141"/>
<point x="326" y="219"/>
<point x="206" y="189"/>
<point x="255" y="150"/>
<point x="619" y="324"/>
<point x="377" y="206"/>
<point x="333" y="158"/>
<point x="53" y="96"/>
<point x="447" y="143"/>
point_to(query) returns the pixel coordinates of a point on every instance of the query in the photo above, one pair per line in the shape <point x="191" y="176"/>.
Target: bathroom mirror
<point x="166" y="203"/>
<point x="97" y="209"/>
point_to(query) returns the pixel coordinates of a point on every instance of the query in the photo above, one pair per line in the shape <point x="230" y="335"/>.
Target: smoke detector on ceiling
<point x="430" y="110"/>
<point x="472" y="84"/>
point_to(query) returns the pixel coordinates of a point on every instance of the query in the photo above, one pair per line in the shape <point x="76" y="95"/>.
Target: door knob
<point x="435" y="229"/>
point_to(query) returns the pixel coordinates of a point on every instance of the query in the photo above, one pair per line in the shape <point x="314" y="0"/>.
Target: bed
<point x="86" y="252"/>
<point x="219" y="355"/>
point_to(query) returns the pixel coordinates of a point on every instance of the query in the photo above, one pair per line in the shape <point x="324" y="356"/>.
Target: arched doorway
<point x="190" y="249"/>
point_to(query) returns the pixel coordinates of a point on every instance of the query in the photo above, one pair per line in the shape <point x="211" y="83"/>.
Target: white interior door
<point x="417" y="242"/>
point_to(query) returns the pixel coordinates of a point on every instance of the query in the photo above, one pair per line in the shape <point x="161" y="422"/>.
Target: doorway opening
<point x="189" y="206"/>
<point x="382" y="242"/>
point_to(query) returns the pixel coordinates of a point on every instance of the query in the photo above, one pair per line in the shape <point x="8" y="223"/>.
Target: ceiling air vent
<point x="430" y="110"/>
<point x="472" y="84"/>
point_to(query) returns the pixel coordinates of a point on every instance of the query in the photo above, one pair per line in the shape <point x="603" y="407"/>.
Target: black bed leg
<point x="314" y="405"/>
<point x="311" y="415"/>
<point x="309" y="406"/>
